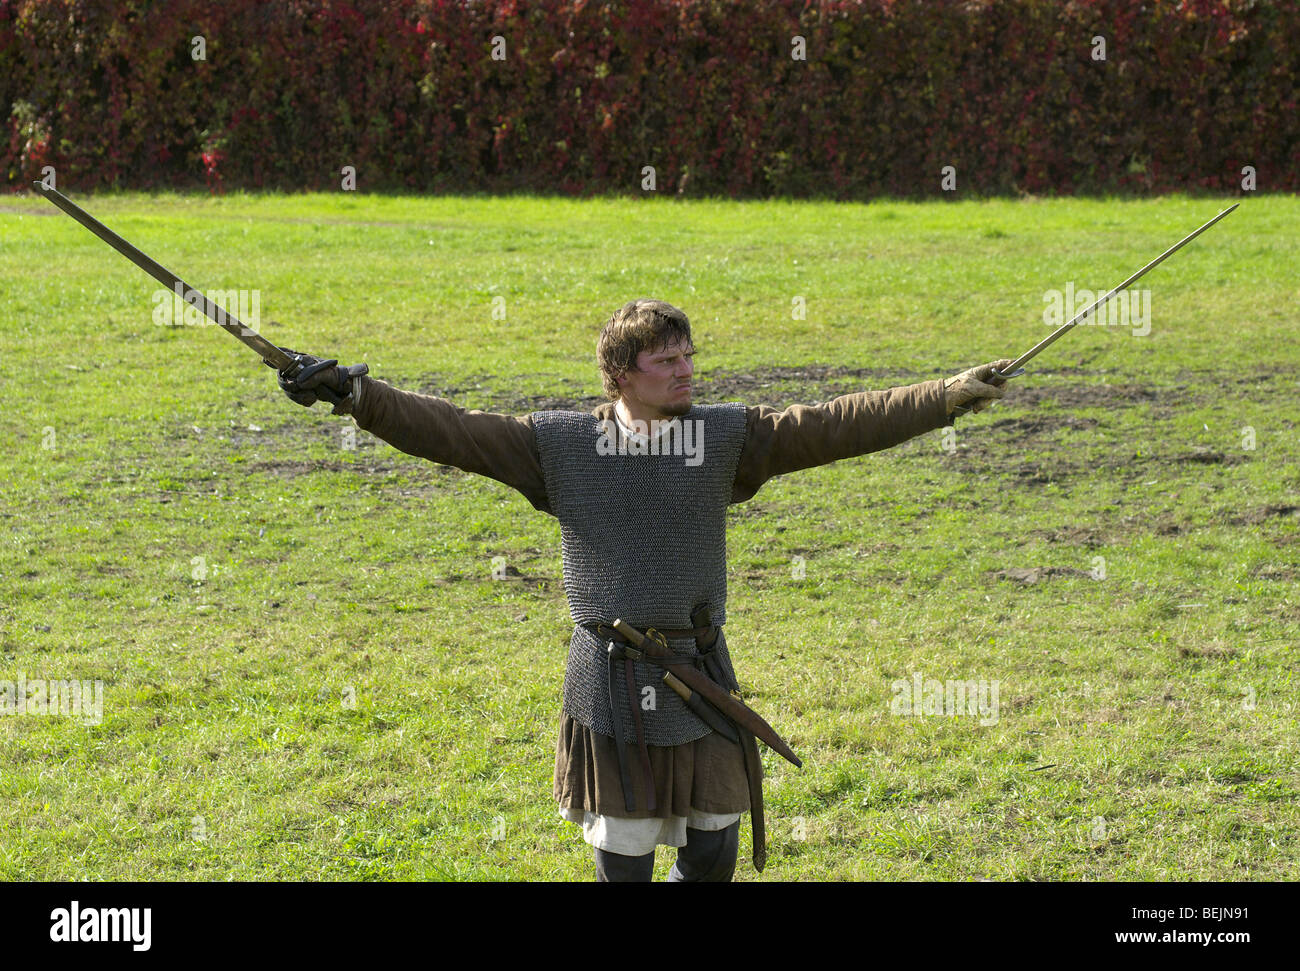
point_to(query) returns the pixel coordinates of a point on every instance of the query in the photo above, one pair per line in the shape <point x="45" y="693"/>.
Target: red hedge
<point x="1005" y="91"/>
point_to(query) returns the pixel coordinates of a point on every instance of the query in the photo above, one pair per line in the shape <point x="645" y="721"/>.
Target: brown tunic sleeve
<point x="501" y="447"/>
<point x="803" y="436"/>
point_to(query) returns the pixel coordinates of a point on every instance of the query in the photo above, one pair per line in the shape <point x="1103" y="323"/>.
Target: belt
<point x="705" y="635"/>
<point x="605" y="632"/>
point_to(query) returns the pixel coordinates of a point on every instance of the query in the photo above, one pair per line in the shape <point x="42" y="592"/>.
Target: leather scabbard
<point x="629" y="794"/>
<point x="646" y="772"/>
<point x="722" y="699"/>
<point x="701" y="617"/>
<point x="754" y="773"/>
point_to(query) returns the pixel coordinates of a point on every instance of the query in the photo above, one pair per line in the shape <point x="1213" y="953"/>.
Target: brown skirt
<point x="707" y="775"/>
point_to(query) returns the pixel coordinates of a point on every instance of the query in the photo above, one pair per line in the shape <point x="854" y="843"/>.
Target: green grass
<point x="338" y="689"/>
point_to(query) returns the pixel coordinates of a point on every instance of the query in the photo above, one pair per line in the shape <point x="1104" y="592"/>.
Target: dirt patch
<point x="479" y="391"/>
<point x="1073" y="536"/>
<point x="1099" y="395"/>
<point x="1032" y="474"/>
<point x="291" y="468"/>
<point x="1041" y="424"/>
<point x="1270" y="571"/>
<point x="510" y="574"/>
<point x="1209" y="651"/>
<point x="1167" y="527"/>
<point x="1034" y="574"/>
<point x="1208" y="456"/>
<point x="1260" y="373"/>
<point x="1264" y="514"/>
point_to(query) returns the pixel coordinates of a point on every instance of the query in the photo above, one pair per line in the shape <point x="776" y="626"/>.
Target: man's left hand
<point x="975" y="388"/>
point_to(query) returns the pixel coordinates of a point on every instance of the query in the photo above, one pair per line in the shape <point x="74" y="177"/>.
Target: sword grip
<point x="965" y="409"/>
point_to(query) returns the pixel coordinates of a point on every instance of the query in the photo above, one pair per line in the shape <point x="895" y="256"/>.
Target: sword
<point x="272" y="356"/>
<point x="1015" y="369"/>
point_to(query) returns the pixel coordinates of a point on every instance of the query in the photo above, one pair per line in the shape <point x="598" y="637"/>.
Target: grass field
<point x="309" y="671"/>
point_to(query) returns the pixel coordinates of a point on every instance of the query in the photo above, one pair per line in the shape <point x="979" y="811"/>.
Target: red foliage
<point x="706" y="91"/>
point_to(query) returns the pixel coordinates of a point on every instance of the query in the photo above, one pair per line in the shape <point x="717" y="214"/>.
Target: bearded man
<point x="641" y="487"/>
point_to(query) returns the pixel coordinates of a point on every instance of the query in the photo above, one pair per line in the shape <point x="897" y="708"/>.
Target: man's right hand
<point x="974" y="389"/>
<point x="309" y="376"/>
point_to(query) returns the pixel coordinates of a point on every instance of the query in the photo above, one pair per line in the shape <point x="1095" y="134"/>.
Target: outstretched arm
<point x="501" y="447"/>
<point x="803" y="436"/>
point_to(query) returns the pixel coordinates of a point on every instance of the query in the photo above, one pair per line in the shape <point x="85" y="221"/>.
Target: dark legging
<point x="709" y="856"/>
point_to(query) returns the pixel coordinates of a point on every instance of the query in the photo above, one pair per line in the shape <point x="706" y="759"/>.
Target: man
<point x="641" y="487"/>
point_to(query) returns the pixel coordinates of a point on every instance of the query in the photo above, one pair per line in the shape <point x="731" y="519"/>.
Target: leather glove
<point x="311" y="379"/>
<point x="975" y="388"/>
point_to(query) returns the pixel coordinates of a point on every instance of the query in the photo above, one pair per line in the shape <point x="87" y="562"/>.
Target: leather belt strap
<point x="629" y="674"/>
<point x="605" y="632"/>
<point x="629" y="794"/>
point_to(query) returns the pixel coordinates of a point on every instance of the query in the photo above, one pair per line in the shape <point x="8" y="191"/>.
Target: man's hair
<point x="641" y="325"/>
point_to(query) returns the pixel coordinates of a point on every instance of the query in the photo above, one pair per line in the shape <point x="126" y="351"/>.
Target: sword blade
<point x="1049" y="340"/>
<point x="271" y="354"/>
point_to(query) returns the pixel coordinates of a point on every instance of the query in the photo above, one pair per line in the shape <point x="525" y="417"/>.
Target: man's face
<point x="662" y="382"/>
